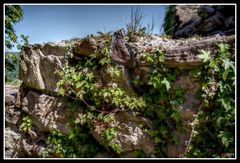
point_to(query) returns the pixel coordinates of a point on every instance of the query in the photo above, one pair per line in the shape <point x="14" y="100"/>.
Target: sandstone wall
<point x="37" y="96"/>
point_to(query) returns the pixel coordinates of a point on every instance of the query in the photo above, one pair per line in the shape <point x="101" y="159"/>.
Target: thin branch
<point x="192" y="132"/>
<point x="77" y="98"/>
<point x="102" y="111"/>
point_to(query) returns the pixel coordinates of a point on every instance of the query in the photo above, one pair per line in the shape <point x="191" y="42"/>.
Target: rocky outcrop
<point x="36" y="73"/>
<point x="37" y="96"/>
<point x="47" y="113"/>
<point x="204" y="20"/>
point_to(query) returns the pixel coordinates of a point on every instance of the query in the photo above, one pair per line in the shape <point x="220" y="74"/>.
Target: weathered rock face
<point x="179" y="53"/>
<point x="204" y="20"/>
<point x="85" y="47"/>
<point x="47" y="113"/>
<point x="120" y="53"/>
<point x="12" y="118"/>
<point x="12" y="137"/>
<point x="130" y="134"/>
<point x="58" y="49"/>
<point x="35" y="70"/>
<point x="52" y="110"/>
<point x="187" y="110"/>
<point x="33" y="147"/>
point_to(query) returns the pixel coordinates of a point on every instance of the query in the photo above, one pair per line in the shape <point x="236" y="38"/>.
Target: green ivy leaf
<point x="213" y="65"/>
<point x="163" y="130"/>
<point x="79" y="84"/>
<point x="61" y="91"/>
<point x="117" y="148"/>
<point x="160" y="55"/>
<point x="205" y="56"/>
<point x="167" y="84"/>
<point x="105" y="61"/>
<point x="89" y="116"/>
<point x="225" y="102"/>
<point x="218" y="122"/>
<point x="227" y="63"/>
<point x="225" y="74"/>
<point x="220" y="86"/>
<point x="225" y="137"/>
<point x="223" y="47"/>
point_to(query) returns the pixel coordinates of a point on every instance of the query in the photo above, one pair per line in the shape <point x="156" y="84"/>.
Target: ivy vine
<point x="213" y="128"/>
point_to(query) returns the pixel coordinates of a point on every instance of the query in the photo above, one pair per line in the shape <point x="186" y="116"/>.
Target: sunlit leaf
<point x="167" y="84"/>
<point x="205" y="56"/>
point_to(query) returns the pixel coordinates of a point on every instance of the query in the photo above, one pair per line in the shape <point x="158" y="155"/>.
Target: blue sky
<point x="44" y="23"/>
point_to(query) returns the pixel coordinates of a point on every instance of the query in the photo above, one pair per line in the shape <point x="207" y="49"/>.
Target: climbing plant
<point x="163" y="100"/>
<point x="159" y="100"/>
<point x="214" y="126"/>
<point x="80" y="83"/>
<point x="77" y="143"/>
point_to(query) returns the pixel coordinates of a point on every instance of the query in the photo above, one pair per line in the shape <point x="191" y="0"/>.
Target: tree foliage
<point x="13" y="14"/>
<point x="11" y="67"/>
<point x="168" y="23"/>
